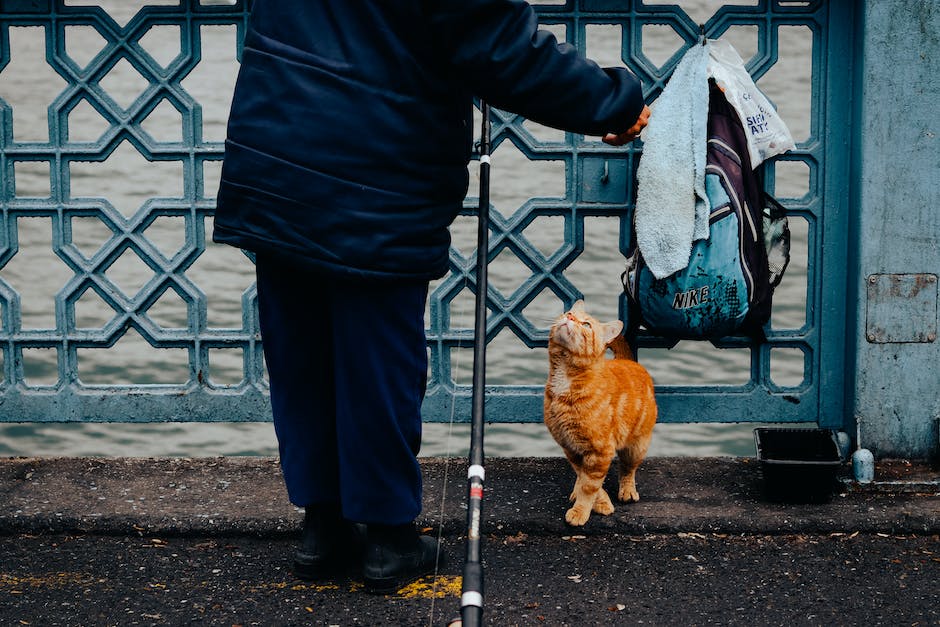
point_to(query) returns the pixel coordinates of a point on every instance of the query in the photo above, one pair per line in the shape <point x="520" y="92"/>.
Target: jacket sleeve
<point x="499" y="53"/>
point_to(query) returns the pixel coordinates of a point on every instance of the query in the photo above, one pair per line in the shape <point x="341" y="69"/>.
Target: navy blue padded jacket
<point x="350" y="129"/>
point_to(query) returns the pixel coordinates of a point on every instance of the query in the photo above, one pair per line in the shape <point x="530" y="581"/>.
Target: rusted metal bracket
<point x="902" y="308"/>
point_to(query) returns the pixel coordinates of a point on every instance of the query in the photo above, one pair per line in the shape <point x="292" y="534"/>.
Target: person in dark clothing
<point x="345" y="163"/>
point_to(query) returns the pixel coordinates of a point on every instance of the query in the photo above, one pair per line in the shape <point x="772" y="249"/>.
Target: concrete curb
<point x="238" y="496"/>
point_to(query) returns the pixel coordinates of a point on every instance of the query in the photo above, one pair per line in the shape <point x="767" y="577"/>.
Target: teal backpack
<point x="728" y="285"/>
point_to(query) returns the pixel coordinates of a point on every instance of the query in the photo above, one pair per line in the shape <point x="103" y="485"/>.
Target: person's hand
<point x="631" y="133"/>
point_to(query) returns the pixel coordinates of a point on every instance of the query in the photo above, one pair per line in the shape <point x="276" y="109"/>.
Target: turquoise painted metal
<point x="594" y="188"/>
<point x="597" y="184"/>
<point x="895" y="390"/>
<point x="69" y="399"/>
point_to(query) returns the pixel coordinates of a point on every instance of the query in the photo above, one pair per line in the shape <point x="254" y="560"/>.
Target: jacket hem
<point x="293" y="254"/>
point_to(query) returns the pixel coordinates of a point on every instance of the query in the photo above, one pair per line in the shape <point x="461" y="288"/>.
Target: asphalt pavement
<point x="207" y="541"/>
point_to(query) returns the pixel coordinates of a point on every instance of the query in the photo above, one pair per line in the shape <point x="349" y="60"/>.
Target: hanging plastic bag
<point x="767" y="134"/>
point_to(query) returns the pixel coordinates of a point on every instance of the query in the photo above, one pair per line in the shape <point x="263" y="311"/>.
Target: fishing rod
<point x="471" y="598"/>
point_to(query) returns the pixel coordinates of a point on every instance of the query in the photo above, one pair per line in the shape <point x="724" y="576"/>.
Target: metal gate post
<point x="894" y="350"/>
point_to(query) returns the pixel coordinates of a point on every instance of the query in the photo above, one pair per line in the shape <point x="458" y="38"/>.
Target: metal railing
<point x="540" y="239"/>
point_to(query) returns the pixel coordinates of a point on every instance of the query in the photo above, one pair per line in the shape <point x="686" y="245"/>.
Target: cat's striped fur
<point x="597" y="408"/>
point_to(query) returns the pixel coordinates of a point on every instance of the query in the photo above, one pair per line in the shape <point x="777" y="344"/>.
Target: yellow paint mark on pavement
<point x="296" y="587"/>
<point x="433" y="587"/>
<point x="48" y="580"/>
<point x="428" y="587"/>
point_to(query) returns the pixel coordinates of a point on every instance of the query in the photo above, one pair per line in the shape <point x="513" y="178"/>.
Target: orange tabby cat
<point x="596" y="407"/>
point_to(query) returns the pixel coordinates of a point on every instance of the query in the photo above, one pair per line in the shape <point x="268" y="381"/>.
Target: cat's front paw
<point x="628" y="495"/>
<point x="627" y="492"/>
<point x="576" y="516"/>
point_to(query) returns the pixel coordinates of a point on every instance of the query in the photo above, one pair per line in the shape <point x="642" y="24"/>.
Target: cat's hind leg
<point x="602" y="504"/>
<point x="628" y="460"/>
<point x="588" y="488"/>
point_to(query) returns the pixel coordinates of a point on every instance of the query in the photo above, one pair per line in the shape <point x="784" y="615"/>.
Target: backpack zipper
<point x="733" y="196"/>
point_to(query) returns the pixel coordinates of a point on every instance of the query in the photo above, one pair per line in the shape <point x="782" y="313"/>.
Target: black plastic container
<point x="799" y="465"/>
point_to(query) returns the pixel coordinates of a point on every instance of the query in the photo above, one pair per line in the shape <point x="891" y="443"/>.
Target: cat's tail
<point x="621" y="348"/>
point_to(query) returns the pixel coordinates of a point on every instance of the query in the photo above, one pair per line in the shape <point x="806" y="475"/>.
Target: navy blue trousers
<point x="347" y="363"/>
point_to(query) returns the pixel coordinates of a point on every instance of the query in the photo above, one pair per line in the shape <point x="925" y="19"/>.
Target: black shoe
<point x="395" y="556"/>
<point x="320" y="555"/>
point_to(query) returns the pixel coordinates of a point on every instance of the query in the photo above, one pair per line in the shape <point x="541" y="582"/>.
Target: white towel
<point x="672" y="208"/>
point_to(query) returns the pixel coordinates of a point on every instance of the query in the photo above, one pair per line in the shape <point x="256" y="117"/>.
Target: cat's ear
<point x="612" y="330"/>
<point x="578" y="307"/>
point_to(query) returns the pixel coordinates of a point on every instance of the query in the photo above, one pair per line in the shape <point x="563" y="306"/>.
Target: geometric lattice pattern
<point x="597" y="186"/>
<point x="140" y="100"/>
<point x="123" y="61"/>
